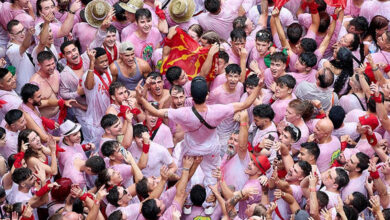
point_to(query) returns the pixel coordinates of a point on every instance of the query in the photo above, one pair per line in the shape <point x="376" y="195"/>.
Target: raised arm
<point x="44" y="34"/>
<point x="156" y="193"/>
<point x="136" y="171"/>
<point x="239" y="106"/>
<point x="67" y="26"/>
<point x="27" y="41"/>
<point x="207" y="65"/>
<point x="242" y="149"/>
<point x="140" y="91"/>
<point x="278" y="26"/>
<point x="128" y="128"/>
<point x="325" y="42"/>
<point x="180" y="196"/>
<point x="90" y="80"/>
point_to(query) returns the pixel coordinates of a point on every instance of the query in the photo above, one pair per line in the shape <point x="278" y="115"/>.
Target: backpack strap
<point x="201" y="119"/>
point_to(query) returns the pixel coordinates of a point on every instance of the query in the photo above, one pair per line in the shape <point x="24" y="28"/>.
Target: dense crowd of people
<point x="195" y="109"/>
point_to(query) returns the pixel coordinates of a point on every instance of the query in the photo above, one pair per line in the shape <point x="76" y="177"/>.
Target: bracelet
<point x="71" y="12"/>
<point x="313" y="190"/>
<point x="334" y="17"/>
<point x="243" y="124"/>
<point x="97" y="202"/>
<point x="89" y="70"/>
<point x="186" y="169"/>
<point x="375" y="69"/>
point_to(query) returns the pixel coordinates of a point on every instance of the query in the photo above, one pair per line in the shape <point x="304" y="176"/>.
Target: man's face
<point x="277" y="68"/>
<point x="262" y="47"/>
<point x="115" y="177"/>
<point x="47" y="7"/>
<point x="178" y="98"/>
<point x="101" y="63"/>
<point x="221" y="65"/>
<point x="232" y="80"/>
<point x="118" y="156"/>
<point x="156" y="86"/>
<point x="20" y="124"/>
<point x="248" y="27"/>
<point x="282" y="91"/>
<point x="161" y="205"/>
<point x="291" y="114"/>
<point x="252" y="169"/>
<point x="152" y="183"/>
<point x="37" y="98"/>
<point x="300" y="66"/>
<point x="383" y="42"/>
<point x="130" y="16"/>
<point x="128" y="57"/>
<point x="319" y="132"/>
<point x="285" y="138"/>
<point x="124" y="196"/>
<point x="50" y="38"/>
<point x="110" y="39"/>
<point x="22" y="3"/>
<point x="346" y="41"/>
<point x="144" y="24"/>
<point x="260" y="122"/>
<point x="232" y="145"/>
<point x="3" y="141"/>
<point x="304" y="154"/>
<point x="18" y="33"/>
<point x="295" y="173"/>
<point x="116" y="129"/>
<point x="329" y="177"/>
<point x="238" y="44"/>
<point x="75" y="138"/>
<point x="352" y="29"/>
<point x="351" y="164"/>
<point x="120" y="95"/>
<point x="48" y="66"/>
<point x="29" y="182"/>
<point x="72" y="54"/>
<point x="182" y="79"/>
<point x="8" y="82"/>
<point x="151" y="120"/>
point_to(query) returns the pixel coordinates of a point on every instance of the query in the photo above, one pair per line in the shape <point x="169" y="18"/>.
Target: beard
<point x="37" y="103"/>
<point x="230" y="151"/>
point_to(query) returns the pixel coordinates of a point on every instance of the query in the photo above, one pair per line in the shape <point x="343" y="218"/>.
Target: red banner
<point x="336" y="3"/>
<point x="279" y="3"/>
<point x="187" y="54"/>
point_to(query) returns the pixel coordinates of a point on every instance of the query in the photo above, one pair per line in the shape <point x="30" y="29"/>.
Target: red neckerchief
<point x="102" y="80"/>
<point x="77" y="66"/>
<point x="158" y="124"/>
<point x="109" y="56"/>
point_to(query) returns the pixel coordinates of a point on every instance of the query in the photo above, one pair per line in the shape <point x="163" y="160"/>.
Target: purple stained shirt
<point x="72" y="173"/>
<point x="11" y="142"/>
<point x="198" y="138"/>
<point x="63" y="157"/>
<point x="328" y="153"/>
<point x="280" y="107"/>
<point x="164" y="137"/>
<point x="13" y="102"/>
<point x="234" y="170"/>
<point x="254" y="183"/>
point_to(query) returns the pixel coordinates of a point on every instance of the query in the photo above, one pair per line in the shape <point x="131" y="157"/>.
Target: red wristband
<point x="387" y="68"/>
<point x="313" y="8"/>
<point x="85" y="195"/>
<point x="304" y="5"/>
<point x="374" y="175"/>
<point x="145" y="148"/>
<point x="160" y="13"/>
<point x="321" y="116"/>
<point x="42" y="191"/>
<point x="343" y="145"/>
<point x="271" y="100"/>
<point x="377" y="99"/>
<point x="334" y="16"/>
<point x="372" y="139"/>
<point x="257" y="148"/>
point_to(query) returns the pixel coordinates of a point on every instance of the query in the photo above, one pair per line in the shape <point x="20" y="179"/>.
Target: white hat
<point x="69" y="127"/>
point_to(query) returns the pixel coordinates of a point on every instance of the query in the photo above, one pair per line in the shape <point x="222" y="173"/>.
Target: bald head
<point x="71" y="216"/>
<point x="325" y="125"/>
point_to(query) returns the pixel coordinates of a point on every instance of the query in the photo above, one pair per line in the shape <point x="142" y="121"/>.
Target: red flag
<point x="279" y="3"/>
<point x="187" y="54"/>
<point x="336" y="3"/>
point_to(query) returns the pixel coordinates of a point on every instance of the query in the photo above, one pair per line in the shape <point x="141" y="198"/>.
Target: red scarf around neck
<point x="111" y="58"/>
<point x="158" y="124"/>
<point x="77" y="66"/>
<point x="106" y="87"/>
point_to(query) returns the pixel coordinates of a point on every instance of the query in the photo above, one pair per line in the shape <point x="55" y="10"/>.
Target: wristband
<point x="186" y="169"/>
<point x="304" y="5"/>
<point x="160" y="13"/>
<point x="89" y="70"/>
<point x="313" y="190"/>
<point x="84" y="146"/>
<point x="271" y="100"/>
<point x="343" y="145"/>
<point x="97" y="202"/>
<point x="374" y="175"/>
<point x="313" y="8"/>
<point x="387" y="68"/>
<point x="377" y="99"/>
<point x="85" y="195"/>
<point x="145" y="148"/>
<point x="257" y="148"/>
<point x="372" y="139"/>
<point x="321" y="116"/>
<point x="375" y="69"/>
<point x="42" y="191"/>
<point x="71" y="12"/>
<point x="334" y="17"/>
<point x="243" y="124"/>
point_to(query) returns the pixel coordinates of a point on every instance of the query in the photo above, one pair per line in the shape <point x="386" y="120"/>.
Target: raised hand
<point x="75" y="6"/>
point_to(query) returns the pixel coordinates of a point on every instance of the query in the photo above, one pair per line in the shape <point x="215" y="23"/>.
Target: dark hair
<point x="355" y="42"/>
<point x="211" y="37"/>
<point x="199" y="89"/>
<point x="141" y="187"/>
<point x="323" y="199"/>
<point x="2" y="132"/>
<point x="305" y="166"/>
<point x="233" y="68"/>
<point x="239" y="22"/>
<point x="108" y="120"/>
<point x="252" y="80"/>
<point x="149" y="209"/>
<point x="173" y="73"/>
<point x="114" y="86"/>
<point x="264" y="36"/>
<point x="77" y="206"/>
<point x="2" y="192"/>
<point x="197" y="29"/>
<point x="39" y="6"/>
<point x="21" y="174"/>
<point x="12" y="23"/>
<point x="294" y="32"/>
<point x="312" y="148"/>
<point x="96" y="164"/>
<point x="119" y="12"/>
<point x="350" y="212"/>
<point x="359" y="201"/>
<point x="178" y="88"/>
<point x="142" y="12"/>
<point x="308" y="58"/>
<point x="286" y="80"/>
<point x="45" y="55"/>
<point x="371" y="104"/>
<point x="308" y="45"/>
<point x="12" y="116"/>
<point x="377" y="22"/>
<point x="326" y="79"/>
<point x="294" y="131"/>
<point x="224" y="56"/>
<point x="67" y="43"/>
<point x="111" y="29"/>
<point x="342" y="178"/>
<point x="345" y="63"/>
<point x="360" y="23"/>
<point x="198" y="195"/>
<point x="23" y="137"/>
<point x="237" y="34"/>
<point x="115" y="215"/>
<point x="154" y="75"/>
<point x="308" y="110"/>
<point x="113" y="196"/>
<point x="99" y="52"/>
<point x="108" y="147"/>
<point x="212" y="6"/>
<point x="364" y="160"/>
<point x="264" y="111"/>
<point x="386" y="213"/>
<point x="337" y="115"/>
<point x="102" y="179"/>
<point x="279" y="56"/>
<point x="324" y="22"/>
<point x="3" y="72"/>
<point x="138" y="129"/>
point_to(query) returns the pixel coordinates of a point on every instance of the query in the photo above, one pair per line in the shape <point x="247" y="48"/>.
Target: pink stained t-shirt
<point x="37" y="118"/>
<point x="265" y="98"/>
<point x="280" y="107"/>
<point x="72" y="173"/>
<point x="364" y="147"/>
<point x="8" y="13"/>
<point x="353" y="115"/>
<point x="349" y="128"/>
<point x="198" y="138"/>
<point x="234" y="170"/>
<point x="328" y="153"/>
<point x="355" y="185"/>
<point x="144" y="47"/>
<point x="220" y="96"/>
<point x="13" y="102"/>
<point x="63" y="157"/>
<point x="300" y="77"/>
<point x="85" y="33"/>
<point x="254" y="55"/>
<point x="304" y="136"/>
<point x="369" y="9"/>
<point x="158" y="156"/>
<point x="126" y="172"/>
<point x="127" y="31"/>
<point x="164" y="137"/>
<point x="261" y="134"/>
<point x="283" y="206"/>
<point x="254" y="183"/>
<point x="350" y="102"/>
<point x="218" y="80"/>
<point x="351" y="9"/>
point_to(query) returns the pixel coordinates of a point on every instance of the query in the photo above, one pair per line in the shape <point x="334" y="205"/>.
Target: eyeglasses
<point x="20" y="32"/>
<point x="124" y="193"/>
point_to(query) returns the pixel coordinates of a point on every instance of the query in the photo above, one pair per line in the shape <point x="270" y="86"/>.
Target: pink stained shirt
<point x="265" y="98"/>
<point x="269" y="78"/>
<point x="234" y="170"/>
<point x="355" y="185"/>
<point x="254" y="55"/>
<point x="304" y="136"/>
<point x="144" y="47"/>
<point x="254" y="183"/>
<point x="220" y="96"/>
<point x="8" y="13"/>
<point x="350" y="102"/>
<point x="126" y="173"/>
<point x="218" y="80"/>
<point x="198" y="138"/>
<point x="280" y="107"/>
<point x="351" y="9"/>
<point x="369" y="9"/>
<point x="381" y="56"/>
<point x="164" y="137"/>
<point x="353" y="115"/>
<point x="261" y="134"/>
<point x="63" y="157"/>
<point x="55" y="28"/>
<point x="37" y="118"/>
<point x="349" y="128"/>
<point x="283" y="206"/>
<point x="13" y="102"/>
<point x="132" y="211"/>
<point x="333" y="198"/>
<point x="328" y="153"/>
<point x="85" y="33"/>
<point x="160" y="157"/>
<point x="11" y="142"/>
<point x="127" y="31"/>
<point x="300" y="77"/>
<point x="364" y="147"/>
<point x="72" y="173"/>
